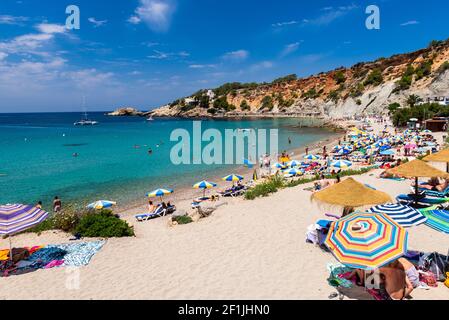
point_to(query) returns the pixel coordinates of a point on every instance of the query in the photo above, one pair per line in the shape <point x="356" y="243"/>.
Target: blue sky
<point x="146" y="53"/>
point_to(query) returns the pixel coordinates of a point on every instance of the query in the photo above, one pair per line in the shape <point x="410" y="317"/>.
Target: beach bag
<point x="436" y="263"/>
<point x="446" y="283"/>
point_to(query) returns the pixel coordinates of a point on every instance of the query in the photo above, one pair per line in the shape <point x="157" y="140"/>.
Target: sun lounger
<point x="426" y="201"/>
<point x="159" y="212"/>
<point x="434" y="193"/>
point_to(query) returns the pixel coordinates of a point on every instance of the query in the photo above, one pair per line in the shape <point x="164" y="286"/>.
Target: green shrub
<point x="311" y="94"/>
<point x="339" y="77"/>
<point x="66" y="220"/>
<point x="443" y="67"/>
<point x="103" y="224"/>
<point x="265" y="188"/>
<point x="267" y="103"/>
<point x="245" y="106"/>
<point x="183" y="219"/>
<point x="375" y="78"/>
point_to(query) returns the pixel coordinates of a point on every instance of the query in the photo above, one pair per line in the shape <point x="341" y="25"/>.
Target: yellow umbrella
<point x="442" y="156"/>
<point x="417" y="169"/>
<point x="350" y="193"/>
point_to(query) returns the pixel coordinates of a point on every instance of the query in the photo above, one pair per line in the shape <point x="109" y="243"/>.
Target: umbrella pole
<point x="416" y="190"/>
<point x="10" y="248"/>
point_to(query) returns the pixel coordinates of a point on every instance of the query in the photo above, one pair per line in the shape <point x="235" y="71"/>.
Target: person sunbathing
<point x="411" y="273"/>
<point x="395" y="281"/>
<point x="433" y="184"/>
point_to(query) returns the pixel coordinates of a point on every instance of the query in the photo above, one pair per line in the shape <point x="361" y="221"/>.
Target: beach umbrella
<point x="17" y="217"/>
<point x="341" y="164"/>
<point x="159" y="193"/>
<point x="437" y="219"/>
<point x="417" y="169"/>
<point x="426" y="131"/>
<point x="388" y="152"/>
<point x="366" y="240"/>
<point x="405" y="216"/>
<point x="204" y="185"/>
<point x="312" y="157"/>
<point x="233" y="178"/>
<point x="101" y="204"/>
<point x="293" y="163"/>
<point x="278" y="165"/>
<point x="293" y="172"/>
<point x="441" y="156"/>
<point x="350" y="193"/>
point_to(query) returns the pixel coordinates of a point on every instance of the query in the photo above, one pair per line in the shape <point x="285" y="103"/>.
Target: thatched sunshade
<point x="442" y="156"/>
<point x="350" y="193"/>
<point x="417" y="169"/>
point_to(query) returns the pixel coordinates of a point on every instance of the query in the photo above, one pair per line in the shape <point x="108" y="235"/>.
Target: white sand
<point x="245" y="250"/>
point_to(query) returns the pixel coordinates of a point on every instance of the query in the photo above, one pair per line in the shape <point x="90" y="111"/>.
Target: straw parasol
<point x="442" y="156"/>
<point x="350" y="193"/>
<point x="417" y="169"/>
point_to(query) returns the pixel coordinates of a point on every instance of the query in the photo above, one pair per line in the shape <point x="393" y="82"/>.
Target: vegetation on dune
<point x="339" y="77"/>
<point x="277" y="182"/>
<point x="94" y="224"/>
<point x="374" y="78"/>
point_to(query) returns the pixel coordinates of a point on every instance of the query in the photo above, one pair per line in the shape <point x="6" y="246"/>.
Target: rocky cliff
<point x="364" y="88"/>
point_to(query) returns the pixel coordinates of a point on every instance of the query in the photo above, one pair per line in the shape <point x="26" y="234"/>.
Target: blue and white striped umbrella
<point x="312" y="157"/>
<point x="403" y="215"/>
<point x="294" y="163"/>
<point x="294" y="172"/>
<point x="342" y="164"/>
<point x="101" y="204"/>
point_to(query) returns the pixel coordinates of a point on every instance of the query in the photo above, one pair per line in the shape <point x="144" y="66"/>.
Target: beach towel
<point x="79" y="254"/>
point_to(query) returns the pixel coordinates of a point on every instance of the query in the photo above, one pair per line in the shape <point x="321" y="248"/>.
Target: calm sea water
<point x="37" y="162"/>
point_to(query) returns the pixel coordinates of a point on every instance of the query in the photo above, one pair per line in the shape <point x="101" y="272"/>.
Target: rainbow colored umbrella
<point x="101" y="204"/>
<point x="233" y="178"/>
<point x="17" y="217"/>
<point x="159" y="193"/>
<point x="366" y="240"/>
<point x="437" y="219"/>
<point x="204" y="185"/>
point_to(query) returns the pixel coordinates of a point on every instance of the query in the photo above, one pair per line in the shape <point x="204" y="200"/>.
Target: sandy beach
<point x="245" y="250"/>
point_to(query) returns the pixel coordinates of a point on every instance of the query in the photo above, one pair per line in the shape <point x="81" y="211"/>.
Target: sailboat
<point x="150" y="118"/>
<point x="86" y="121"/>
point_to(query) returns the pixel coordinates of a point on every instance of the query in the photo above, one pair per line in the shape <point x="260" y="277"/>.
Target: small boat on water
<point x="86" y="121"/>
<point x="150" y="118"/>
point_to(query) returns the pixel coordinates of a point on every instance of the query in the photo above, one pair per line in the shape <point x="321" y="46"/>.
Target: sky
<point x="146" y="53"/>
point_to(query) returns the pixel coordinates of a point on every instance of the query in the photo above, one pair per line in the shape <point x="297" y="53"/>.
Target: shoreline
<point x="187" y="193"/>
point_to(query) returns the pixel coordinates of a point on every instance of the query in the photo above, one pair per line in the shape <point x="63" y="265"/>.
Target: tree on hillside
<point x="413" y="100"/>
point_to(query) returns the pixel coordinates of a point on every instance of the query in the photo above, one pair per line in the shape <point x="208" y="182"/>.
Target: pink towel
<point x="54" y="263"/>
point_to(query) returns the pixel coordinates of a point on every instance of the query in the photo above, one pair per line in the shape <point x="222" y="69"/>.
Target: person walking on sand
<point x="307" y="150"/>
<point x="57" y="204"/>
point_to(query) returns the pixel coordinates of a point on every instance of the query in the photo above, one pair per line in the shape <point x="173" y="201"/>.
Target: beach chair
<point x="410" y="200"/>
<point x="159" y="212"/>
<point x="434" y="193"/>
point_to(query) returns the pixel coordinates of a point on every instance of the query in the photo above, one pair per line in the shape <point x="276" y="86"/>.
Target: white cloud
<point x="160" y="55"/>
<point x="97" y="23"/>
<point x="3" y="56"/>
<point x="12" y="20"/>
<point x="202" y="66"/>
<point x="238" y="55"/>
<point x="283" y="24"/>
<point x="290" y="48"/>
<point x="409" y="23"/>
<point x="262" y="65"/>
<point x="48" y="28"/>
<point x="331" y="14"/>
<point x="156" y="14"/>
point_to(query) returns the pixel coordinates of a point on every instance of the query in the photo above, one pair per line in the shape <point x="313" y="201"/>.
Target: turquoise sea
<point x="37" y="162"/>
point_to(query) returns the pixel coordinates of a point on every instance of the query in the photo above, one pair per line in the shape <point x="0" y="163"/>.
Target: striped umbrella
<point x="404" y="215"/>
<point x="366" y="240"/>
<point x="293" y="163"/>
<point x="278" y="165"/>
<point x="294" y="172"/>
<point x="233" y="178"/>
<point x="204" y="185"/>
<point x="437" y="219"/>
<point x="159" y="193"/>
<point x="312" y="157"/>
<point x="342" y="164"/>
<point x="17" y="217"/>
<point x="101" y="204"/>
